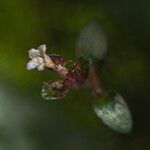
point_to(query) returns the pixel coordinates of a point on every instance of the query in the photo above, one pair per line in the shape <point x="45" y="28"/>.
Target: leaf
<point x="114" y="112"/>
<point x="91" y="41"/>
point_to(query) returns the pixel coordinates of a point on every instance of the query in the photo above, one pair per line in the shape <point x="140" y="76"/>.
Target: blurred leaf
<point x="91" y="41"/>
<point x="114" y="112"/>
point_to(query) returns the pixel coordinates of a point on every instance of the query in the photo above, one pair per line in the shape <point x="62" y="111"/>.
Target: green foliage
<point x="92" y="41"/>
<point x="114" y="112"/>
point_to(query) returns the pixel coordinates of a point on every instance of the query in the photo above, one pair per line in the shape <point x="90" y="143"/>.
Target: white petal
<point x="41" y="64"/>
<point x="32" y="64"/>
<point x="40" y="67"/>
<point x="42" y="48"/>
<point x="40" y="60"/>
<point x="33" y="53"/>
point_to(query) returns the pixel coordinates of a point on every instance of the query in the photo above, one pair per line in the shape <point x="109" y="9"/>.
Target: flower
<point x="39" y="59"/>
<point x="72" y="77"/>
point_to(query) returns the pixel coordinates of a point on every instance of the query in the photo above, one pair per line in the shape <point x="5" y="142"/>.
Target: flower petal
<point x="42" y="48"/>
<point x="41" y="64"/>
<point x="40" y="60"/>
<point x="32" y="64"/>
<point x="33" y="53"/>
<point x="40" y="67"/>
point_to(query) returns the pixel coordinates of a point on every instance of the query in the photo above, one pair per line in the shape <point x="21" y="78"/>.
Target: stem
<point x="94" y="84"/>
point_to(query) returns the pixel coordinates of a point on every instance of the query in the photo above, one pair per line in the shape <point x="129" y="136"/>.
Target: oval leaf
<point x="115" y="113"/>
<point x="91" y="41"/>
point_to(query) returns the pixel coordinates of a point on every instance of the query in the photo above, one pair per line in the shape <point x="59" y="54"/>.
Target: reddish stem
<point x="94" y="84"/>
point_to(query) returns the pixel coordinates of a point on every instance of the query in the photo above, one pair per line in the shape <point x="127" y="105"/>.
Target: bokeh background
<point x="27" y="122"/>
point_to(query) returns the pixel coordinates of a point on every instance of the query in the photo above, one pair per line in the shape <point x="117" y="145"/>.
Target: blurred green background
<point x="27" y="122"/>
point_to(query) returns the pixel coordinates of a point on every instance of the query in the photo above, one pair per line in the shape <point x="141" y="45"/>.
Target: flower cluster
<point x="39" y="59"/>
<point x="71" y="77"/>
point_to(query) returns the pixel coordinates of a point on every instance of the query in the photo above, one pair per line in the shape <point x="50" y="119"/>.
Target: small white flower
<point x="39" y="59"/>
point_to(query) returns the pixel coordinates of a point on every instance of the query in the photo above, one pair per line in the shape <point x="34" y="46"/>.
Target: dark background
<point x="27" y="122"/>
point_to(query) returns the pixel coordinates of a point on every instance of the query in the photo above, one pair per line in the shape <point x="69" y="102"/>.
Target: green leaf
<point x="91" y="41"/>
<point x="114" y="112"/>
